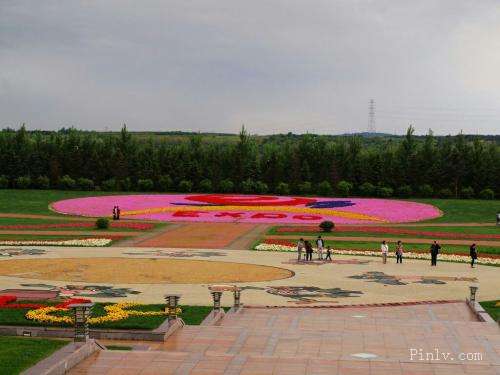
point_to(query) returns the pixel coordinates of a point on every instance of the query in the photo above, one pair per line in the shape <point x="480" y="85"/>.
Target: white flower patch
<point x="90" y="242"/>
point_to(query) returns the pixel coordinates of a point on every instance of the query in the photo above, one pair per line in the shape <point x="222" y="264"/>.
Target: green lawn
<point x="37" y="201"/>
<point x="492" y="309"/>
<point x="464" y="210"/>
<point x="367" y="245"/>
<point x="19" y="353"/>
<point x="192" y="315"/>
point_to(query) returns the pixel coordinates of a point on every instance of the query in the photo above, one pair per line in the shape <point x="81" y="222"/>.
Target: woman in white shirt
<point x="385" y="249"/>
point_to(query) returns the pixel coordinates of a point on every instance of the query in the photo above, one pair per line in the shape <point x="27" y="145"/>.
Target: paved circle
<point x="140" y="271"/>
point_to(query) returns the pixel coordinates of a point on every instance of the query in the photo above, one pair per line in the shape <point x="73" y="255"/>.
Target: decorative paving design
<point x="98" y="291"/>
<point x="323" y="262"/>
<point x="249" y="208"/>
<point x="308" y="294"/>
<point x="382" y="278"/>
<point x="12" y="252"/>
<point x="30" y="294"/>
<point x="143" y="270"/>
<point x="179" y="254"/>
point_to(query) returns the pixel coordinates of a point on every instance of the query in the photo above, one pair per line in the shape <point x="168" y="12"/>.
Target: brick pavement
<point x="317" y="341"/>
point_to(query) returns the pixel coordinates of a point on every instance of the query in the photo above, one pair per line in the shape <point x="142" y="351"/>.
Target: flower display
<point x="90" y="242"/>
<point x="114" y="313"/>
<point x="389" y="230"/>
<point x="249" y="208"/>
<point x="85" y="224"/>
<point x="288" y="246"/>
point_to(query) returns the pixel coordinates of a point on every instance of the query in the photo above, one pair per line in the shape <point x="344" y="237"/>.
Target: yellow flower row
<point x="114" y="313"/>
<point x="291" y="209"/>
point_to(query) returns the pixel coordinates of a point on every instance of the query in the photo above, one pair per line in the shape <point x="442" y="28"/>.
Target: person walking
<point x="473" y="254"/>
<point x="300" y="249"/>
<point x="435" y="247"/>
<point x="309" y="251"/>
<point x="328" y="253"/>
<point x="320" y="244"/>
<point x="399" y="252"/>
<point x="384" y="248"/>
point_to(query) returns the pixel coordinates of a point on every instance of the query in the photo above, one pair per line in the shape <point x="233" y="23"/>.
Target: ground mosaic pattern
<point x="268" y="278"/>
<point x="249" y="208"/>
<point x="126" y="270"/>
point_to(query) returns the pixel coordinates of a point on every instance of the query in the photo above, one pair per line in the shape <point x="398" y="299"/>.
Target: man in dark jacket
<point x="434" y="253"/>
<point x="473" y="254"/>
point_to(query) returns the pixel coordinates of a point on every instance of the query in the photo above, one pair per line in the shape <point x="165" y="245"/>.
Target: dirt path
<point x="199" y="235"/>
<point x="146" y="236"/>
<point x="246" y="241"/>
<point x="389" y="239"/>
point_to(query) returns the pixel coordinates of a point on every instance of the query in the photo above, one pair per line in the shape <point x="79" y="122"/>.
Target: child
<point x="328" y="253"/>
<point x="384" y="248"/>
<point x="399" y="252"/>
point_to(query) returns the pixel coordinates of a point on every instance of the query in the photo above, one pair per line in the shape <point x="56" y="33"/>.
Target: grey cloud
<point x="276" y="66"/>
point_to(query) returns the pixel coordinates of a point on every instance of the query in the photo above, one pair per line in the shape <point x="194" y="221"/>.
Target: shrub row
<point x="249" y="186"/>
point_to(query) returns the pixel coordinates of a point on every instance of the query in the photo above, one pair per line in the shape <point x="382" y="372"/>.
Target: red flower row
<point x="86" y="224"/>
<point x="389" y="230"/>
<point x="6" y="303"/>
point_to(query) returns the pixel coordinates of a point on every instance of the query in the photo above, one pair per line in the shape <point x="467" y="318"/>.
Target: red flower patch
<point x="389" y="230"/>
<point x="5" y="303"/>
<point x="77" y="224"/>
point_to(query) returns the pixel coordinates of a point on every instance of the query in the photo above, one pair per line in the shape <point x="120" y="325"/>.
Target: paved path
<point x="372" y="340"/>
<point x="387" y="238"/>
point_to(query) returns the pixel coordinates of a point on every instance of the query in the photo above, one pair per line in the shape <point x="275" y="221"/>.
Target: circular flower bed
<point x="249" y="208"/>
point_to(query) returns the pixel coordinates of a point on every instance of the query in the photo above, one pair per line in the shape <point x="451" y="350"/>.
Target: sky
<point x="276" y="66"/>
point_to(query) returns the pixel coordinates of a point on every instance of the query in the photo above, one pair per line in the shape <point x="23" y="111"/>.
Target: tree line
<point x="453" y="166"/>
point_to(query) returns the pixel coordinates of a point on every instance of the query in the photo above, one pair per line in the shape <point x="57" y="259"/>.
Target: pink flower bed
<point x="249" y="208"/>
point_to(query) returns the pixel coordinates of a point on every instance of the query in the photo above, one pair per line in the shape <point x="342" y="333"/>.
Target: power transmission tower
<point x="371" y="117"/>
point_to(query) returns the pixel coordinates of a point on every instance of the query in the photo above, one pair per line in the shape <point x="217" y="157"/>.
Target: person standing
<point x="309" y="250"/>
<point x="435" y="247"/>
<point x="399" y="252"/>
<point x="118" y="212"/>
<point x="473" y="254"/>
<point x="384" y="248"/>
<point x="328" y="253"/>
<point x="114" y="212"/>
<point x="300" y="249"/>
<point x="320" y="244"/>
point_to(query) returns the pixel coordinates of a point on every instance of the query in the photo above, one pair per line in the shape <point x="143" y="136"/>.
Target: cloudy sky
<point x="274" y="65"/>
